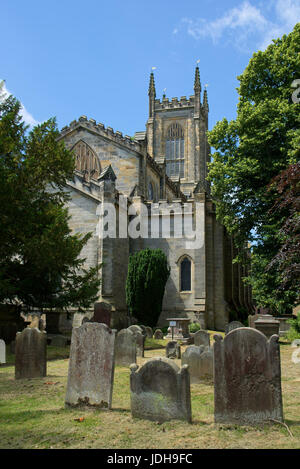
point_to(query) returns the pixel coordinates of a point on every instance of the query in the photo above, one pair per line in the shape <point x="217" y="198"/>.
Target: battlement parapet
<point x="100" y="129"/>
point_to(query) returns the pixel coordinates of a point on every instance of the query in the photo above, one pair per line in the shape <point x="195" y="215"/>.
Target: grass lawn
<point x="32" y="414"/>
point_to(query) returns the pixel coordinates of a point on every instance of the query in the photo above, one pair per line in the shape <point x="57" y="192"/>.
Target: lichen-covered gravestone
<point x="247" y="377"/>
<point x="160" y="391"/>
<point x="2" y="352"/>
<point x="173" y="349"/>
<point x="139" y="339"/>
<point x="202" y="338"/>
<point x="125" y="348"/>
<point x="31" y="353"/>
<point x="91" y="366"/>
<point x="59" y="341"/>
<point x="158" y="335"/>
<point x="233" y="325"/>
<point x="200" y="362"/>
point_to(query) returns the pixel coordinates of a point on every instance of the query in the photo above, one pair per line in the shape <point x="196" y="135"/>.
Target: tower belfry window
<point x="175" y="151"/>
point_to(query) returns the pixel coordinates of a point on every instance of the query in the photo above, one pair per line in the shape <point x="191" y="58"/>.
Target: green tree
<point x="39" y="257"/>
<point x="250" y="151"/>
<point x="148" y="273"/>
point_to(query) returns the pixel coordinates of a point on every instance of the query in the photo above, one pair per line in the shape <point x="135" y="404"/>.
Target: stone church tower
<point x="164" y="166"/>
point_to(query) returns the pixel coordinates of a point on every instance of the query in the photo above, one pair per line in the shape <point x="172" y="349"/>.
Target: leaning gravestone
<point x="139" y="339"/>
<point x="233" y="325"/>
<point x="158" y="335"/>
<point x="31" y="353"/>
<point x="160" y="391"/>
<point x="200" y="362"/>
<point x="91" y="366"/>
<point x="247" y="377"/>
<point x="202" y="338"/>
<point x="173" y="349"/>
<point x="125" y="348"/>
<point x="2" y="352"/>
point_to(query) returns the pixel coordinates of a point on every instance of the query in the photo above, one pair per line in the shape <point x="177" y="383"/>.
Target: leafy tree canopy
<point x="251" y="150"/>
<point x="39" y="257"/>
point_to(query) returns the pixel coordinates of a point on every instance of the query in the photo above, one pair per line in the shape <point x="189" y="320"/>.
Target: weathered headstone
<point x="102" y="313"/>
<point x="252" y="318"/>
<point x="158" y="335"/>
<point x="2" y="351"/>
<point x="139" y="339"/>
<point x="233" y="325"/>
<point x="125" y="348"/>
<point x="202" y="338"/>
<point x="31" y="353"/>
<point x="59" y="341"/>
<point x="173" y="349"/>
<point x="149" y="332"/>
<point x="91" y="366"/>
<point x="160" y="391"/>
<point x="200" y="362"/>
<point x="247" y="377"/>
<point x="143" y="328"/>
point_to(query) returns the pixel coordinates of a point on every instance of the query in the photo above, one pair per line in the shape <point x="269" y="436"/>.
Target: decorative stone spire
<point x="205" y="101"/>
<point x="152" y="95"/>
<point x="151" y="91"/>
<point x="197" y="84"/>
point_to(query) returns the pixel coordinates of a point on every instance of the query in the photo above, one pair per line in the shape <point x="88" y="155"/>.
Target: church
<point x="161" y="167"/>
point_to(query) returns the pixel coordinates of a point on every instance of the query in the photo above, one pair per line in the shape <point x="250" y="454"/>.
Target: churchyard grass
<point x="32" y="414"/>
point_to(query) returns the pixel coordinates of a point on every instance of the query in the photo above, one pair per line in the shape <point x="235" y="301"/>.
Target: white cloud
<point x="245" y="22"/>
<point x="27" y="117"/>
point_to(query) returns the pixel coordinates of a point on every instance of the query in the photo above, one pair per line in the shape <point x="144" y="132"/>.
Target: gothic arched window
<point x="185" y="274"/>
<point x="86" y="161"/>
<point x="175" y="151"/>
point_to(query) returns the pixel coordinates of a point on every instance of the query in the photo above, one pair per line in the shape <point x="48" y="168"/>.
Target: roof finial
<point x="205" y="99"/>
<point x="197" y="84"/>
<point x="151" y="91"/>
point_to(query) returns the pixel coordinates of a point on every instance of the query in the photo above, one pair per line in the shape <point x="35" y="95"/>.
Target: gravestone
<point x="149" y="332"/>
<point x="247" y="377"/>
<point x="296" y="343"/>
<point x="158" y="335"/>
<point x="139" y="339"/>
<point x="125" y="348"/>
<point x="31" y="353"/>
<point x="252" y="318"/>
<point x="102" y="313"/>
<point x="173" y="349"/>
<point x="160" y="391"/>
<point x="59" y="341"/>
<point x="202" y="338"/>
<point x="233" y="325"/>
<point x="2" y="352"/>
<point x="143" y="328"/>
<point x="200" y="362"/>
<point x="91" y="366"/>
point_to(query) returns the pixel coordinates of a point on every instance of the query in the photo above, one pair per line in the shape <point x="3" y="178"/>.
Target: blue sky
<point x="67" y="58"/>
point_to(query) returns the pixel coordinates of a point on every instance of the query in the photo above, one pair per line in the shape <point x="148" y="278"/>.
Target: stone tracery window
<point x="86" y="161"/>
<point x="175" y="151"/>
<point x="185" y="274"/>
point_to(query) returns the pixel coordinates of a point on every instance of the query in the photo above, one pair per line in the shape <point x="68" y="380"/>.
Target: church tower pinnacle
<point x="197" y="90"/>
<point x="151" y="94"/>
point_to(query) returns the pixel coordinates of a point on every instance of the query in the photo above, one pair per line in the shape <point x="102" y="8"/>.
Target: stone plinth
<point x="268" y="325"/>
